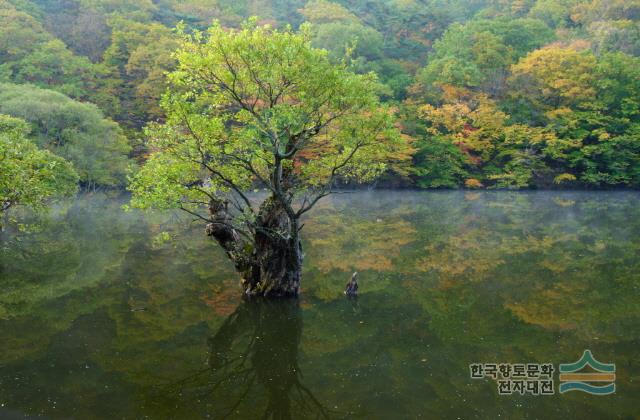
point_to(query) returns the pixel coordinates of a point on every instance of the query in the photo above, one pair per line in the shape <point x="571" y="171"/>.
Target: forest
<point x="484" y="93"/>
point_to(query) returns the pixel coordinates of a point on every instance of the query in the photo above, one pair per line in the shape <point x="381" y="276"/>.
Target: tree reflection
<point x="257" y="346"/>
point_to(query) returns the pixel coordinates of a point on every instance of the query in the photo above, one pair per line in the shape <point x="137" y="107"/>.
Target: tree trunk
<point x="277" y="254"/>
<point x="279" y="267"/>
<point x="272" y="264"/>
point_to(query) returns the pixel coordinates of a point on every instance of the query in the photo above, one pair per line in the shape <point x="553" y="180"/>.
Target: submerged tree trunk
<point x="270" y="262"/>
<point x="278" y="253"/>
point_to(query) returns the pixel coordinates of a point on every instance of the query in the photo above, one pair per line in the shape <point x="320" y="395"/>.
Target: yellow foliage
<point x="451" y="93"/>
<point x="564" y="178"/>
<point x="563" y="76"/>
<point x="473" y="183"/>
<point x="451" y="117"/>
<point x="322" y="11"/>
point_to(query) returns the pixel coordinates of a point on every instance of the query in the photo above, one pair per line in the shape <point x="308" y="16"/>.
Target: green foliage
<point x="555" y="13"/>
<point x="19" y="33"/>
<point x="479" y="52"/>
<point x="338" y="37"/>
<point x="591" y="103"/>
<point x="320" y="12"/>
<point x="76" y="131"/>
<point x="29" y="176"/>
<point x="140" y="54"/>
<point x="34" y="56"/>
<point x="345" y="36"/>
<point x="51" y="65"/>
<point x="622" y="36"/>
<point x="498" y="154"/>
<point x="543" y="62"/>
<point x="439" y="164"/>
<point x="261" y="105"/>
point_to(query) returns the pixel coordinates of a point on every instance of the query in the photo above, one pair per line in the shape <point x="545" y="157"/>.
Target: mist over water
<point x="99" y="320"/>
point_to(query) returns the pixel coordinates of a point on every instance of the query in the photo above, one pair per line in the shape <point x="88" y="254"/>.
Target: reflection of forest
<point x="446" y="279"/>
<point x="545" y="252"/>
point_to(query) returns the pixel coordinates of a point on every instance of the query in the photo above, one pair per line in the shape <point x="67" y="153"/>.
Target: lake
<point x="99" y="319"/>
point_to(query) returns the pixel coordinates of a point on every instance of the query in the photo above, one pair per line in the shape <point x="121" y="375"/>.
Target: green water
<point x="99" y="321"/>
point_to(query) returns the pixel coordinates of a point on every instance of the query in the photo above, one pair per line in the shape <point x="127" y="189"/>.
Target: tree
<point x="74" y="130"/>
<point x="479" y="53"/>
<point x="344" y="35"/>
<point x="338" y="37"/>
<point x="505" y="155"/>
<point x="591" y="103"/>
<point x="596" y="10"/>
<point x="439" y="163"/>
<point x="19" y="33"/>
<point x="261" y="108"/>
<point x="555" y="13"/>
<point x="320" y="12"/>
<point x="621" y="35"/>
<point x="554" y="77"/>
<point x="52" y="66"/>
<point x="29" y="176"/>
<point x="29" y="54"/>
<point x="140" y="55"/>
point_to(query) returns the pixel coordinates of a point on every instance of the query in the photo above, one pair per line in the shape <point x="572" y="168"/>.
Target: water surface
<point x="98" y="320"/>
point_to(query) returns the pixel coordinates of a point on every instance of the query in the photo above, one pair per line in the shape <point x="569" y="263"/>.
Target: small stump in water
<point x="352" y="287"/>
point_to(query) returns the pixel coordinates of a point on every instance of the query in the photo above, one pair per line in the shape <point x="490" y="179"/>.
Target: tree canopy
<point x="76" y="131"/>
<point x="262" y="107"/>
<point x="29" y="176"/>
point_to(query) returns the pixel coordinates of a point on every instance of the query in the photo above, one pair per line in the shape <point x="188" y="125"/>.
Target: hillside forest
<point x="486" y="93"/>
